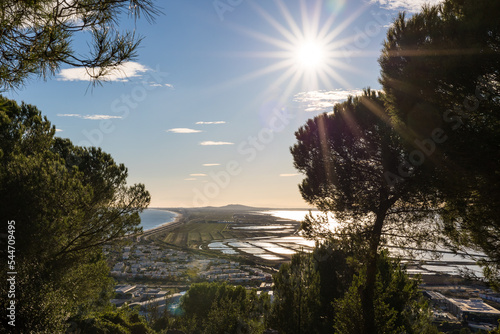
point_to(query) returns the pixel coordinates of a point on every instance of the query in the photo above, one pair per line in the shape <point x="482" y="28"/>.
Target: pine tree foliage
<point x="36" y="36"/>
<point x="440" y="71"/>
<point x="66" y="202"/>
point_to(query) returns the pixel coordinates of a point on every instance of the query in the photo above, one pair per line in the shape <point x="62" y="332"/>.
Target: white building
<point x="473" y="310"/>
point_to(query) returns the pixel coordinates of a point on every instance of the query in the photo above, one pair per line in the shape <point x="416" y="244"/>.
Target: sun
<point x="310" y="55"/>
<point x="306" y="51"/>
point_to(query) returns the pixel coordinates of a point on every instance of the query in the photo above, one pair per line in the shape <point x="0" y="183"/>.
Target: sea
<point x="151" y="218"/>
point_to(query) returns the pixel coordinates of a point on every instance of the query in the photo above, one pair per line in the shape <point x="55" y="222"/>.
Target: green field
<point x="194" y="234"/>
<point x="197" y="232"/>
<point x="201" y="228"/>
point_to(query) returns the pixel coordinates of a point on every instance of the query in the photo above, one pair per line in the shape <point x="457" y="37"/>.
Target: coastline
<point x="175" y="220"/>
<point x="163" y="227"/>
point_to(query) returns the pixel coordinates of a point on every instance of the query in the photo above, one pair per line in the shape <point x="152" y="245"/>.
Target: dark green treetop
<point x="65" y="202"/>
<point x="440" y="71"/>
<point x="352" y="159"/>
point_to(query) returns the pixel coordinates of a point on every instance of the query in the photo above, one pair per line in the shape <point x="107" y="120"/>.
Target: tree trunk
<point x="367" y="298"/>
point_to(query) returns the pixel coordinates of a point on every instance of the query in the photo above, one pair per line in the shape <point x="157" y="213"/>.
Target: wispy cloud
<point x="59" y="130"/>
<point x="190" y="179"/>
<point x="215" y="143"/>
<point x="412" y="6"/>
<point x="183" y="130"/>
<point x="210" y="165"/>
<point x="216" y="122"/>
<point x="155" y="84"/>
<point x="288" y="175"/>
<point x="91" y="117"/>
<point x="99" y="117"/>
<point x="123" y="73"/>
<point x="322" y="100"/>
<point x="69" y="115"/>
<point x="198" y="174"/>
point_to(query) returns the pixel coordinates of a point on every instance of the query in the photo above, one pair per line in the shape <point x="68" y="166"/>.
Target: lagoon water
<point x="300" y="215"/>
<point x="297" y="215"/>
<point x="297" y="243"/>
<point x="151" y="218"/>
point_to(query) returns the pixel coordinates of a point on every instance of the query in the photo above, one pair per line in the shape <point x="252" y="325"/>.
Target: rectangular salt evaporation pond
<point x="444" y="254"/>
<point x="238" y="244"/>
<point x="262" y="244"/>
<point x="454" y="270"/>
<point x="416" y="271"/>
<point x="273" y="248"/>
<point x="270" y="257"/>
<point x="228" y="251"/>
<point x="263" y="227"/>
<point x="283" y="231"/>
<point x="297" y="248"/>
<point x="294" y="240"/>
<point x="253" y="250"/>
<point x="280" y="250"/>
<point x="219" y="246"/>
<point x="441" y="269"/>
<point x="459" y="258"/>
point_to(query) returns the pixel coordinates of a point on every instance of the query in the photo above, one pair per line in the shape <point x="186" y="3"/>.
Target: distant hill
<point x="233" y="207"/>
<point x="237" y="207"/>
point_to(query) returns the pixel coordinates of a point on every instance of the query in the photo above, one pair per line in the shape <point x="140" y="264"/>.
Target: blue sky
<point x="207" y="112"/>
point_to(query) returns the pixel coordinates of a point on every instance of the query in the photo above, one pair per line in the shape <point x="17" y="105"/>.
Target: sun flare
<point x="307" y="50"/>
<point x="310" y="55"/>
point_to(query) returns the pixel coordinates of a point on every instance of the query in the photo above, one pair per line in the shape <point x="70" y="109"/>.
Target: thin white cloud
<point x="210" y="165"/>
<point x="183" y="130"/>
<point x="123" y="73"/>
<point x="99" y="117"/>
<point x="69" y="115"/>
<point x="91" y="117"/>
<point x="59" y="130"/>
<point x="200" y="174"/>
<point x="322" y="100"/>
<point x="155" y="84"/>
<point x="216" y="122"/>
<point x="288" y="175"/>
<point x="412" y="6"/>
<point x="215" y="143"/>
<point x="190" y="179"/>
